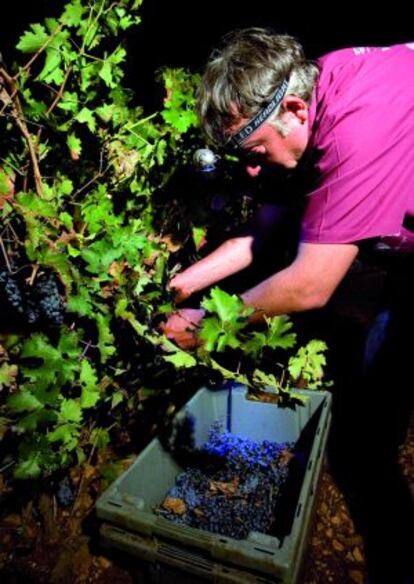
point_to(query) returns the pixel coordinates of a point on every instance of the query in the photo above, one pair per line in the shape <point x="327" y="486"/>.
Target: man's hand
<point x="182" y="325"/>
<point x="180" y="285"/>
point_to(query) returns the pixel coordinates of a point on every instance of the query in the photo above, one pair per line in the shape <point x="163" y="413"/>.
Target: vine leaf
<point x="72" y="15"/>
<point x="227" y="306"/>
<point x="266" y="379"/>
<point x="307" y="365"/>
<point x="74" y="145"/>
<point x="106" y="337"/>
<point x="181" y="359"/>
<point x="70" y="411"/>
<point x="228" y="317"/>
<point x="67" y="433"/>
<point x="24" y="401"/>
<point x="8" y="375"/>
<point x="32" y="41"/>
<point x="277" y="335"/>
<point x="29" y="468"/>
<point x="88" y="378"/>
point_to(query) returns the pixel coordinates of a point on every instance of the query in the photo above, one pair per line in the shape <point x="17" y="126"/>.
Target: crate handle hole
<point x="264" y="551"/>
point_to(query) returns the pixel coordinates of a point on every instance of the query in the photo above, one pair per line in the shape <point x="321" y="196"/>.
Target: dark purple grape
<point x="65" y="494"/>
<point x="10" y="293"/>
<point x="235" y="495"/>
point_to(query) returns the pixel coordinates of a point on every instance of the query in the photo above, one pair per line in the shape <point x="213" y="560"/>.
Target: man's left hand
<point x="182" y="326"/>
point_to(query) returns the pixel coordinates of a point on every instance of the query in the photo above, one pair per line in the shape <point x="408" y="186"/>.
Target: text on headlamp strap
<point x="259" y="119"/>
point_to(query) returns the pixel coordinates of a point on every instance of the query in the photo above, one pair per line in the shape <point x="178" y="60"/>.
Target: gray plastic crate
<point x="126" y="506"/>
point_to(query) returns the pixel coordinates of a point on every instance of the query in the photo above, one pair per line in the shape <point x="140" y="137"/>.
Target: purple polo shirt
<point x="361" y="145"/>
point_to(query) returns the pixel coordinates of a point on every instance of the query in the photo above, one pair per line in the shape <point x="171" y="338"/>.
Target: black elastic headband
<point x="239" y="137"/>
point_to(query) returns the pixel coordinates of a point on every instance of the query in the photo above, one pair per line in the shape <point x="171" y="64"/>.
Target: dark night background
<point x="182" y="33"/>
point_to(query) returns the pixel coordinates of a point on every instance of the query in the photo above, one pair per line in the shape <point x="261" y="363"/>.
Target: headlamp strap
<point x="260" y="118"/>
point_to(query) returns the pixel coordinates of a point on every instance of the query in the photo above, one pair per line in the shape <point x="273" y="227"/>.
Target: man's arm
<point x="230" y="257"/>
<point x="307" y="283"/>
<point x="271" y="225"/>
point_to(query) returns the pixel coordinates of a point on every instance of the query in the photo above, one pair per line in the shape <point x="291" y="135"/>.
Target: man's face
<point x="269" y="147"/>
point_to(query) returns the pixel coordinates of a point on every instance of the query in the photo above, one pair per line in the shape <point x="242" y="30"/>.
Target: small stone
<point x="89" y="471"/>
<point x="13" y="519"/>
<point x="352" y="541"/>
<point x="103" y="562"/>
<point x="356" y="576"/>
<point x="338" y="547"/>
<point x="357" y="555"/>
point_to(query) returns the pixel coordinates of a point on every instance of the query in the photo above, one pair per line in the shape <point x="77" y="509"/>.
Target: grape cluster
<point x="39" y="304"/>
<point x="65" y="494"/>
<point x="234" y="496"/>
<point x="10" y="293"/>
<point x="44" y="302"/>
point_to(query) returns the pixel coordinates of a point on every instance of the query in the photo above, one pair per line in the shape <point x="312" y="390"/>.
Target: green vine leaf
<point x="67" y="433"/>
<point x="28" y="469"/>
<point x="181" y="359"/>
<point x="89" y="380"/>
<point x="24" y="401"/>
<point x="278" y="335"/>
<point x="106" y="337"/>
<point x="268" y="380"/>
<point x="229" y="317"/>
<point x="8" y="375"/>
<point x="32" y="41"/>
<point x="85" y="116"/>
<point x="74" y="145"/>
<point x="70" y="411"/>
<point x="308" y="363"/>
<point x="73" y="13"/>
<point x="228" y="307"/>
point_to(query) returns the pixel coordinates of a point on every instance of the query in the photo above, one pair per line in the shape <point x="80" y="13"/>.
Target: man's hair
<point x="242" y="75"/>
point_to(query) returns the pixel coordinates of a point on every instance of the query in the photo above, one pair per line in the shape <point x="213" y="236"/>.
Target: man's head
<point x="255" y="94"/>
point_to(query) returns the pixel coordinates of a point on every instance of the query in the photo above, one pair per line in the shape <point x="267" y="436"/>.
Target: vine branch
<point x="17" y="113"/>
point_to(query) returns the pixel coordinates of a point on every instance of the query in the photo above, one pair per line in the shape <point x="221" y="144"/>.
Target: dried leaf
<point x="285" y="457"/>
<point x="172" y="246"/>
<point x="174" y="505"/>
<point x="224" y="488"/>
<point x="197" y="511"/>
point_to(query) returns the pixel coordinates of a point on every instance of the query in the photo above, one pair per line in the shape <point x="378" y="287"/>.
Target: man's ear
<point x="294" y="106"/>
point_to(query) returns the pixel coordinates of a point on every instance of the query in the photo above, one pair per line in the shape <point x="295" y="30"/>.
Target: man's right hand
<point x="180" y="285"/>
